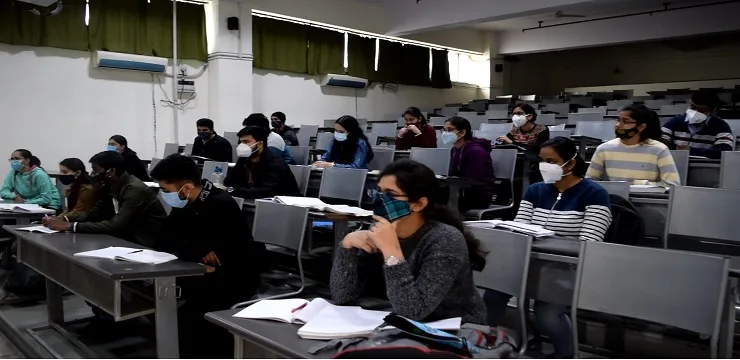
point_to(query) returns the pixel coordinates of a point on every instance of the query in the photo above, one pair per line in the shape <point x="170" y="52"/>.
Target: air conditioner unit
<point x="110" y="60"/>
<point x="343" y="81"/>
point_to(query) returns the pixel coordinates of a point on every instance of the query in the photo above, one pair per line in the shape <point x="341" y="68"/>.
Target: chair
<point x="239" y="201"/>
<point x="384" y="129"/>
<point x="324" y="140"/>
<point x="329" y="123"/>
<point x="486" y="135"/>
<point x="506" y="271"/>
<point x="437" y="120"/>
<point x="477" y="120"/>
<point x="603" y="130"/>
<point x="617" y="104"/>
<point x="306" y="132"/>
<point x="372" y="139"/>
<point x="574" y="118"/>
<point x="729" y="176"/>
<point x="234" y="154"/>
<point x="300" y="154"/>
<point x="497" y="114"/>
<point x="702" y="214"/>
<point x="496" y="129"/>
<point x="656" y="104"/>
<point x="302" y="174"/>
<point x="562" y="108"/>
<point x="188" y="149"/>
<point x="504" y="164"/>
<point x="289" y="235"/>
<point x="680" y="289"/>
<point x="620" y="188"/>
<point x="436" y="159"/>
<point x="556" y="133"/>
<point x="210" y="166"/>
<point x="383" y="158"/>
<point x="592" y="110"/>
<point x="154" y="163"/>
<point x="343" y="184"/>
<point x="546" y="119"/>
<point x="559" y="127"/>
<point x="170" y="148"/>
<point x="681" y="159"/>
<point x="672" y="109"/>
<point x="231" y="136"/>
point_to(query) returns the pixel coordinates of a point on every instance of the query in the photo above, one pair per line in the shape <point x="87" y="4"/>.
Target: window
<point x="470" y="69"/>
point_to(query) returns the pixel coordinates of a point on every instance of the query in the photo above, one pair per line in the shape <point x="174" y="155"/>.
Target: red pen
<point x="298" y="308"/>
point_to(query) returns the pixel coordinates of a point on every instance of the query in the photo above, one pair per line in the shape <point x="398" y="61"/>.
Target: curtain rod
<point x="342" y="29"/>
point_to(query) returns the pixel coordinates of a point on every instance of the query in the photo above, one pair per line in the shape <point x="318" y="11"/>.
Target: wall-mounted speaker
<point x="498" y="68"/>
<point x="232" y="23"/>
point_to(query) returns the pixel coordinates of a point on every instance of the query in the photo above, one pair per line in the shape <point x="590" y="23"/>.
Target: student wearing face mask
<point x="636" y="155"/>
<point x="700" y="130"/>
<point x="259" y="173"/>
<point x="470" y="158"/>
<point x="417" y="254"/>
<point x="200" y="228"/>
<point x="350" y="148"/>
<point x="417" y="132"/>
<point x="134" y="166"/>
<point x="275" y="142"/>
<point x="277" y="120"/>
<point x="526" y="133"/>
<point x="80" y="194"/>
<point x="210" y="145"/>
<point x="571" y="206"/>
<point x="28" y="183"/>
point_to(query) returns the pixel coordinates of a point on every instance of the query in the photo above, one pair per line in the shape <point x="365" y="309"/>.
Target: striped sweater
<point x="647" y="163"/>
<point x="582" y="211"/>
<point x="707" y="139"/>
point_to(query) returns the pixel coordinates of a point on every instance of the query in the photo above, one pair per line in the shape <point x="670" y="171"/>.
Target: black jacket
<point x="216" y="149"/>
<point x="214" y="222"/>
<point x="134" y="166"/>
<point x="289" y="136"/>
<point x="270" y="175"/>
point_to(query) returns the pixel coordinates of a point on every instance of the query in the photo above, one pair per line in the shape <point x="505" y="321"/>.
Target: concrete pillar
<point x="497" y="62"/>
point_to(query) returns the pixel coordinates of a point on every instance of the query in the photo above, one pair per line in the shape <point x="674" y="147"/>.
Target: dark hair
<point x="461" y="123"/>
<point x="415" y="112"/>
<point x="205" y="122"/>
<point x="643" y="115"/>
<point x="418" y="181"/>
<point x="109" y="160"/>
<point x="343" y="152"/>
<point x="566" y="149"/>
<point x="122" y="140"/>
<point x="706" y="98"/>
<point x="279" y="115"/>
<point x="176" y="168"/>
<point x="258" y="133"/>
<point x="527" y="109"/>
<point x="32" y="160"/>
<point x="75" y="165"/>
<point x="257" y="119"/>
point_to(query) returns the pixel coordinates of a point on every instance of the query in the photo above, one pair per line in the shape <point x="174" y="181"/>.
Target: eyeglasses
<point x="626" y="122"/>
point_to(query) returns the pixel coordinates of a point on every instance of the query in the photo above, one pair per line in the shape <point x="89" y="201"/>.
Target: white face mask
<point x="243" y="150"/>
<point x="694" y="117"/>
<point x="519" y="120"/>
<point x="552" y="173"/>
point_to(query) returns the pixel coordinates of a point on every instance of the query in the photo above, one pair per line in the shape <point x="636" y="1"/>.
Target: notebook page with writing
<point x="310" y="311"/>
<point x="277" y="310"/>
<point x="301" y="201"/>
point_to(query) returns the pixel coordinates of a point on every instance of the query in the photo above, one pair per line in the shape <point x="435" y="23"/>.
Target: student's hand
<point x="211" y="259"/>
<point x="18" y="199"/>
<point x="383" y="235"/>
<point x="58" y="225"/>
<point x="414" y="129"/>
<point x="210" y="269"/>
<point x="504" y="139"/>
<point x="359" y="240"/>
<point x="683" y="147"/>
<point x="47" y="219"/>
<point x="403" y="132"/>
<point x="323" y="164"/>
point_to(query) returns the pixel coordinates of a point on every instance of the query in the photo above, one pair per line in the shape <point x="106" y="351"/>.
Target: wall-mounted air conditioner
<point x="110" y="60"/>
<point x="343" y="81"/>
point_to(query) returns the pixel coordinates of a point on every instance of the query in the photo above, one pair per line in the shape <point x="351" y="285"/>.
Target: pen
<point x="298" y="308"/>
<point x="137" y="251"/>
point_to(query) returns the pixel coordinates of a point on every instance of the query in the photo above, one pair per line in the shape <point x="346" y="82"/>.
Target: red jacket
<point x="427" y="139"/>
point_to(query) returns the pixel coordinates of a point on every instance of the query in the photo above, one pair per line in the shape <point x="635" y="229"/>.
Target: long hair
<point x="418" y="181"/>
<point x="643" y="115"/>
<point x="415" y="112"/>
<point x="566" y="149"/>
<point x="75" y="165"/>
<point x="32" y="160"/>
<point x="461" y="123"/>
<point x="343" y="152"/>
<point x="122" y="140"/>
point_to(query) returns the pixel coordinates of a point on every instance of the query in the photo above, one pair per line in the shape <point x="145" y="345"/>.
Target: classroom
<point x="370" y="178"/>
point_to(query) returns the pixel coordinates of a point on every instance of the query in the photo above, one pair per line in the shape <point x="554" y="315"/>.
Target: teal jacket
<point x="35" y="187"/>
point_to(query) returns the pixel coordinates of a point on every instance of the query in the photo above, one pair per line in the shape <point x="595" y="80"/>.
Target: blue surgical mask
<point x="16" y="165"/>
<point x="111" y="148"/>
<point x="173" y="199"/>
<point x="449" y="137"/>
<point x="340" y="136"/>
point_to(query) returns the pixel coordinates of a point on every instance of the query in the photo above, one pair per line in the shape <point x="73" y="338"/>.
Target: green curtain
<point x="325" y="52"/>
<point x="441" y="70"/>
<point x="67" y="30"/>
<point x="389" y="62"/>
<point x="414" y="66"/>
<point x="279" y="45"/>
<point x="361" y="57"/>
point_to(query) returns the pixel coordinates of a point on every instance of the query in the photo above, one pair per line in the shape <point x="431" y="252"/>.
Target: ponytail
<point x="445" y="215"/>
<point x="642" y="115"/>
<point x="32" y="160"/>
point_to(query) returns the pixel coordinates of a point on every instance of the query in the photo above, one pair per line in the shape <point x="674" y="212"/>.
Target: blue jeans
<point x="550" y="319"/>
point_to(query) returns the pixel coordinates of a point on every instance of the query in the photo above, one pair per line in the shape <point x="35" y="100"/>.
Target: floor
<point x="7" y="350"/>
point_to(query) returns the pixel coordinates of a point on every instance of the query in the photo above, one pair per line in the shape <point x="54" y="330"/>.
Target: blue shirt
<point x="360" y="160"/>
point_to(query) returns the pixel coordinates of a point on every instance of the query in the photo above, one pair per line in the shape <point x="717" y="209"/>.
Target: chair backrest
<point x="702" y="213"/>
<point x="617" y="104"/>
<point x="324" y="140"/>
<point x="384" y="129"/>
<point x="621" y="188"/>
<point x="169" y="149"/>
<point x="559" y="127"/>
<point x="681" y="159"/>
<point x="729" y="175"/>
<point x="437" y="120"/>
<point x="231" y="136"/>
<point x="188" y="149"/>
<point x="499" y="107"/>
<point x="363" y="127"/>
<point x="234" y="154"/>
<point x="507" y="261"/>
<point x="302" y="174"/>
<point x="674" y="288"/>
<point x="154" y="163"/>
<point x="672" y="109"/>
<point x="562" y="108"/>
<point x="239" y="201"/>
<point x="329" y="123"/>
<point x="383" y="157"/>
<point x="436" y="159"/>
<point x="372" y="139"/>
<point x="656" y="104"/>
<point x="546" y="119"/>
<point x="504" y="163"/>
<point x="556" y="133"/>
<point x="603" y="130"/>
<point x="477" y="120"/>
<point x="289" y="234"/>
<point x="496" y="129"/>
<point x="343" y="184"/>
<point x="486" y="135"/>
<point x="210" y="166"/>
<point x="306" y="132"/>
<point x="593" y="110"/>
<point x="574" y="118"/>
<point x="300" y="154"/>
<point x="497" y="114"/>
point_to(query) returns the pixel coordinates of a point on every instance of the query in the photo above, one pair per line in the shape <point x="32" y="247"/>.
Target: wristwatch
<point x="392" y="260"/>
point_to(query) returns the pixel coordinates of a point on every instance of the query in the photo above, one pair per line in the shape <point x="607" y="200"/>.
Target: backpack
<point x="628" y="226"/>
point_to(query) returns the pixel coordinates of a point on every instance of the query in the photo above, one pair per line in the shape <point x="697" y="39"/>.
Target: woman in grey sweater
<point x="417" y="252"/>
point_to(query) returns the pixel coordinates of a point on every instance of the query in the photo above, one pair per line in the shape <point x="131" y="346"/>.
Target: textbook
<point x="26" y="208"/>
<point x="527" y="229"/>
<point x="317" y="204"/>
<point x="39" y="228"/>
<point x="142" y="256"/>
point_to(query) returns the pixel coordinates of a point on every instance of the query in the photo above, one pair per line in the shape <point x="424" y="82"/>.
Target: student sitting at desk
<point x="350" y="148"/>
<point x="470" y="158"/>
<point x="700" y="131"/>
<point x="259" y="173"/>
<point x="134" y="166"/>
<point x="636" y="155"/>
<point x="81" y="193"/>
<point x="201" y="228"/>
<point x="210" y="145"/>
<point x="131" y="211"/>
<point x="417" y="132"/>
<point x="277" y="120"/>
<point x="27" y="183"/>
<point x="569" y="205"/>
<point x="275" y="143"/>
<point x="418" y="253"/>
<point x="526" y="133"/>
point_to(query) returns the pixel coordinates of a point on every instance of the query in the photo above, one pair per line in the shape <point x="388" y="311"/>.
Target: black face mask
<point x="276" y="124"/>
<point x="625" y="134"/>
<point x="66" y="179"/>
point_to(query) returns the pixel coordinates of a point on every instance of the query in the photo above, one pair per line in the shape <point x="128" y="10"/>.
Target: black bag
<point x="628" y="226"/>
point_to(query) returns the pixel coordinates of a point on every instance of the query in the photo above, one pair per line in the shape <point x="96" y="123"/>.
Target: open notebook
<point x="527" y="229"/>
<point x="317" y="204"/>
<point x="26" y="208"/>
<point x="38" y="228"/>
<point x="295" y="311"/>
<point x="142" y="256"/>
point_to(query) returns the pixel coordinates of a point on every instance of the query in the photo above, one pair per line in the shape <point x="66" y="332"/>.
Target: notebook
<point x="317" y="204"/>
<point x="142" y="256"/>
<point x="26" y="208"/>
<point x="295" y="311"/>
<point x="40" y="228"/>
<point x="527" y="229"/>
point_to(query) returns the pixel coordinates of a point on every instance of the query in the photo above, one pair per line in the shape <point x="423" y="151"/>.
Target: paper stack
<point x="527" y="229"/>
<point x="142" y="256"/>
<point x="317" y="204"/>
<point x="26" y="208"/>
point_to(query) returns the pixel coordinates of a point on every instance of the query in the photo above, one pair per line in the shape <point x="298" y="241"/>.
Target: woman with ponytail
<point x="417" y="253"/>
<point x="27" y="183"/>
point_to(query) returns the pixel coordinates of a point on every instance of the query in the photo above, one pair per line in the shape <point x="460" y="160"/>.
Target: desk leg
<point x="166" y="318"/>
<point x="526" y="168"/>
<point x="238" y="347"/>
<point x="54" y="303"/>
<point x="454" y="198"/>
<point x="727" y="326"/>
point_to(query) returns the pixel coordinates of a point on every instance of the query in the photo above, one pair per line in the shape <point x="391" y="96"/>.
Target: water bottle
<point x="217" y="178"/>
